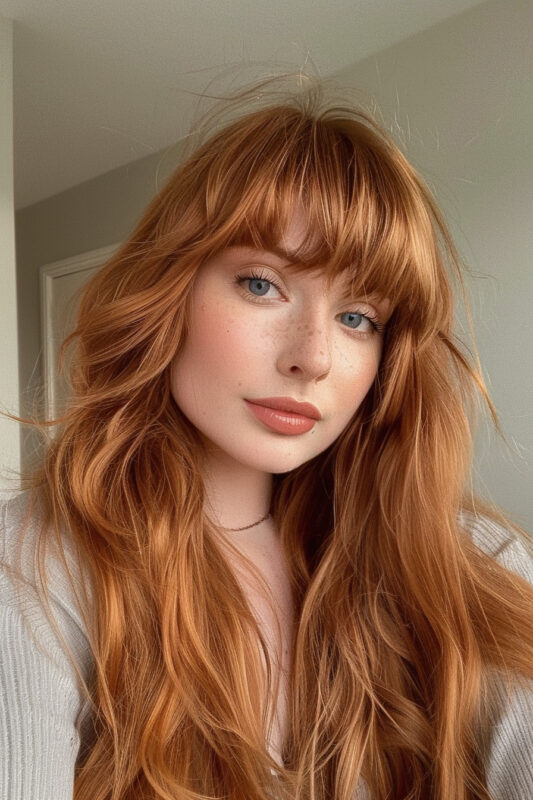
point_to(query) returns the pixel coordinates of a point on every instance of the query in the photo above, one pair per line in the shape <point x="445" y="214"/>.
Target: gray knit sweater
<point x="42" y="711"/>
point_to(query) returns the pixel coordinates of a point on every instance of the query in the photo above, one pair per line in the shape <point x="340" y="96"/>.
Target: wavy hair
<point x="401" y="621"/>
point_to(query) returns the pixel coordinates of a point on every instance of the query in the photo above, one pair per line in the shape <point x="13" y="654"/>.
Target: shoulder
<point x="45" y="713"/>
<point x="506" y="546"/>
<point x="509" y="746"/>
<point x="22" y="596"/>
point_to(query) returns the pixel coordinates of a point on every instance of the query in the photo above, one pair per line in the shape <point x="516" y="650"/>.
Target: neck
<point x="236" y="495"/>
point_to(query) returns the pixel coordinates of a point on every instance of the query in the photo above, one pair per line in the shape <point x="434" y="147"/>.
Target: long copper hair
<point x="402" y="621"/>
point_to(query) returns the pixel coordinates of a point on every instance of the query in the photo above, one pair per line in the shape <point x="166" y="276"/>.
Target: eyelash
<point x="377" y="326"/>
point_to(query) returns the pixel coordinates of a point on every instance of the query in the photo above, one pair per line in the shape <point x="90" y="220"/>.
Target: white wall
<point x="460" y="96"/>
<point x="9" y="433"/>
<point x="459" y="100"/>
<point x="94" y="214"/>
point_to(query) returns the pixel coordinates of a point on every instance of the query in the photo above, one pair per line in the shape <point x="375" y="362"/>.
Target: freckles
<point x="355" y="378"/>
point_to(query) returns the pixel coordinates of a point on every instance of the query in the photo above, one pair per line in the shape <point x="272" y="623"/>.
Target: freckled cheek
<point x="357" y="376"/>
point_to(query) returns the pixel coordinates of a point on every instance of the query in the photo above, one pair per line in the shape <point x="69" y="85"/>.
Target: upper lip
<point x="288" y="404"/>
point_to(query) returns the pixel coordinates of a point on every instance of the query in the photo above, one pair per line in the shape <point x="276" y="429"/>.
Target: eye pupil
<point x="355" y="317"/>
<point x="263" y="285"/>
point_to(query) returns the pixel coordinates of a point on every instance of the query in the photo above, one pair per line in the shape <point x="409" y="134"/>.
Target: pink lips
<point x="288" y="404"/>
<point x="284" y="420"/>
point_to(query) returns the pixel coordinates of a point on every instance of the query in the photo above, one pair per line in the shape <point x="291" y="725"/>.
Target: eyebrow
<point x="290" y="257"/>
<point x="347" y="293"/>
<point x="277" y="251"/>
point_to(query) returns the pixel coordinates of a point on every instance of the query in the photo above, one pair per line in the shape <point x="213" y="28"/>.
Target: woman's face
<point x="250" y="340"/>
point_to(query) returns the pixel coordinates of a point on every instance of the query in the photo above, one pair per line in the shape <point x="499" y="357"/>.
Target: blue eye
<point x="356" y="321"/>
<point x="257" y="278"/>
<point x="263" y="285"/>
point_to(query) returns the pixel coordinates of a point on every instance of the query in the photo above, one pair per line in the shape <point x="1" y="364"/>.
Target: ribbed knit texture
<point x="42" y="709"/>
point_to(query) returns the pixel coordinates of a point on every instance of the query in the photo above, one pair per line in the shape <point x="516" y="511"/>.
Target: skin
<point x="245" y="343"/>
<point x="297" y="342"/>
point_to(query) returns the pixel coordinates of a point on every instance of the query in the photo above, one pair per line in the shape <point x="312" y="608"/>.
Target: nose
<point x="307" y="349"/>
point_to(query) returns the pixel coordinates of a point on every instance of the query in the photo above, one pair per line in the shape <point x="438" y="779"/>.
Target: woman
<point x="254" y="597"/>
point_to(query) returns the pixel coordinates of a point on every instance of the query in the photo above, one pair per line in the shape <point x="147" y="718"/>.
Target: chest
<point x="276" y="624"/>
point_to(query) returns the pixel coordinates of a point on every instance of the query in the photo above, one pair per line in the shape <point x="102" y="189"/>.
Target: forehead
<point x="287" y="250"/>
<point x="295" y="232"/>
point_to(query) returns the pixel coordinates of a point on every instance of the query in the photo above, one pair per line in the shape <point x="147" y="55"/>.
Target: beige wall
<point x="459" y="96"/>
<point x="9" y="433"/>
<point x="94" y="214"/>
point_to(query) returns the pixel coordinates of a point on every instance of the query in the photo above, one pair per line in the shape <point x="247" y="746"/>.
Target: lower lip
<point x="281" y="421"/>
